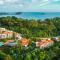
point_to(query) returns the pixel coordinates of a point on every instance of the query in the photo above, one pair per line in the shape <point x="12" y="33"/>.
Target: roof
<point x="2" y="29"/>
<point x="8" y="32"/>
<point x="43" y="42"/>
<point x="8" y="42"/>
<point x="24" y="41"/>
<point x="17" y="34"/>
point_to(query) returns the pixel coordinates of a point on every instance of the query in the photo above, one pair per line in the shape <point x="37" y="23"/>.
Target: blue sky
<point x="30" y="5"/>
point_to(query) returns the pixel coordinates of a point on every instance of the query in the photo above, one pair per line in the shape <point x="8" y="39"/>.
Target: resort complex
<point x="29" y="30"/>
<point x="11" y="38"/>
<point x="23" y="39"/>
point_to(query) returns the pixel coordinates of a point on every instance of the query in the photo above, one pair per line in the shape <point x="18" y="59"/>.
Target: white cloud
<point x="21" y="5"/>
<point x="43" y="4"/>
<point x="39" y="2"/>
<point x="25" y="4"/>
<point x="1" y="2"/>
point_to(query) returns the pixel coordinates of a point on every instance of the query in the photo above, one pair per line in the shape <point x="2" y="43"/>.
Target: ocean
<point x="32" y="15"/>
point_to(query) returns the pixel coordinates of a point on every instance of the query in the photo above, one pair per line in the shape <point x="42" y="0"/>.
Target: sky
<point x="29" y="5"/>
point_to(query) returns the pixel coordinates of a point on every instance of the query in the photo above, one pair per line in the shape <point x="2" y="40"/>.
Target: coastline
<point x="31" y="15"/>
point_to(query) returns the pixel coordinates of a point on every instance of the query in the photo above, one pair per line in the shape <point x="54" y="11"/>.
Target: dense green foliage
<point x="30" y="53"/>
<point x="31" y="28"/>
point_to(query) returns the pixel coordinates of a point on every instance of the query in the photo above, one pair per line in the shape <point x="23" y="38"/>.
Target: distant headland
<point x="10" y="13"/>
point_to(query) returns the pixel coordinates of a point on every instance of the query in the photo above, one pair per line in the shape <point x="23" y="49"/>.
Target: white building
<point x="4" y="33"/>
<point x="3" y="36"/>
<point x="18" y="36"/>
<point x="9" y="34"/>
<point x="44" y="43"/>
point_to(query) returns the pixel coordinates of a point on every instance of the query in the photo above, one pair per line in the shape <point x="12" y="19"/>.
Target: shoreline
<point x="31" y="15"/>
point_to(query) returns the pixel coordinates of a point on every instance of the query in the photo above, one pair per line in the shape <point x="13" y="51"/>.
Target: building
<point x="10" y="43"/>
<point x="4" y="33"/>
<point x="9" y="34"/>
<point x="2" y="29"/>
<point x="56" y="39"/>
<point x="24" y="42"/>
<point x="2" y="36"/>
<point x="18" y="36"/>
<point x="44" y="43"/>
<point x="45" y="38"/>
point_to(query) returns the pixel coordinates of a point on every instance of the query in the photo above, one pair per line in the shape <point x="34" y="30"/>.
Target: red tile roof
<point x="24" y="41"/>
<point x="43" y="42"/>
<point x="8" y="42"/>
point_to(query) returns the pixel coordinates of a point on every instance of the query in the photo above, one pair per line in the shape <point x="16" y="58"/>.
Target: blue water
<point x="12" y="43"/>
<point x="1" y="44"/>
<point x="36" y="15"/>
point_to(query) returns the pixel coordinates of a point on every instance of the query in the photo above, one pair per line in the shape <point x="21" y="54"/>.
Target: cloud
<point x="25" y="4"/>
<point x="39" y="2"/>
<point x="21" y="1"/>
<point x="1" y="2"/>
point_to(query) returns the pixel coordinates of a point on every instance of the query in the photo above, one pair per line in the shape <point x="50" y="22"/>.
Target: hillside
<point x="32" y="28"/>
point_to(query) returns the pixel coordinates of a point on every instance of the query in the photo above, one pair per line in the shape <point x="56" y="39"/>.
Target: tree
<point x="2" y="55"/>
<point x="27" y="56"/>
<point x="8" y="57"/>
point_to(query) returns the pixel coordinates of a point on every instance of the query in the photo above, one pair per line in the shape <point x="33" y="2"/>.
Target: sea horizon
<point x="31" y="15"/>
